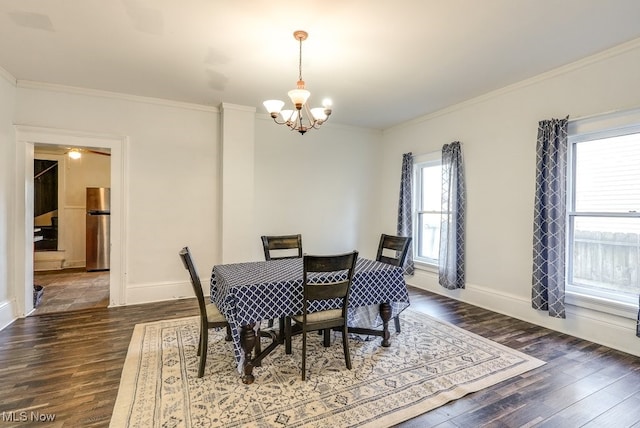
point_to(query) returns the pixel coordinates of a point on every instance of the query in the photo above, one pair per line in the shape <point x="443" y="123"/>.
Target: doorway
<point x="61" y="280"/>
<point x="27" y="138"/>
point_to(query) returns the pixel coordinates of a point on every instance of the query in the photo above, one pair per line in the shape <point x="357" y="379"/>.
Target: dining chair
<point x="324" y="278"/>
<point x="393" y="250"/>
<point x="210" y="315"/>
<point x="277" y="247"/>
<point x="281" y="247"/>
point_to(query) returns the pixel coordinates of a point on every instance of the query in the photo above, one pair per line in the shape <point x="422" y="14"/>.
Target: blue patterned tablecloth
<point x="250" y="292"/>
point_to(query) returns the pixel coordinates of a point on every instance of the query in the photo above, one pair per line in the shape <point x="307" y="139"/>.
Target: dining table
<point x="248" y="293"/>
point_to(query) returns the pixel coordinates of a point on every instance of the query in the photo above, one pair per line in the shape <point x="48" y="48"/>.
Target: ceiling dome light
<point x="75" y="154"/>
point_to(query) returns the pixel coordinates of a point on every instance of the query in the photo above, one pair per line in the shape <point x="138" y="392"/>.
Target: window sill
<point x="428" y="267"/>
<point x="600" y="304"/>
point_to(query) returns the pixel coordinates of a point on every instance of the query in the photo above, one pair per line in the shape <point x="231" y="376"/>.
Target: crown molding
<point x="8" y="76"/>
<point x="576" y="65"/>
<point x="238" y="107"/>
<point x="53" y="87"/>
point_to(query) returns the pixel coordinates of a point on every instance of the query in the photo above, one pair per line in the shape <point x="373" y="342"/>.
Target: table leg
<point x="385" y="314"/>
<point x="248" y="342"/>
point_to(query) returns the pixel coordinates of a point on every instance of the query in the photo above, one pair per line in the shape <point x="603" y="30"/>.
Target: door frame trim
<point x="26" y="138"/>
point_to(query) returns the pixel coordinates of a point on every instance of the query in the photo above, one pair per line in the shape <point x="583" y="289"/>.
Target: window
<point x="427" y="208"/>
<point x="603" y="211"/>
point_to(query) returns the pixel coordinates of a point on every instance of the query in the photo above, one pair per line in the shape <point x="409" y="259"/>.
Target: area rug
<point x="429" y="364"/>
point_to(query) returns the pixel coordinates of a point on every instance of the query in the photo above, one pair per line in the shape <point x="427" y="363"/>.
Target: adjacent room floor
<point x="71" y="290"/>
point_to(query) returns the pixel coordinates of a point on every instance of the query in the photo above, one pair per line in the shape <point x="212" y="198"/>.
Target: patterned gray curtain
<point x="451" y="262"/>
<point x="405" y="208"/>
<point x="549" y="222"/>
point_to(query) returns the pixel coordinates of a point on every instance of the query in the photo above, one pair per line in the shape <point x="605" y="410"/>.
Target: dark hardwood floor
<point x="69" y="365"/>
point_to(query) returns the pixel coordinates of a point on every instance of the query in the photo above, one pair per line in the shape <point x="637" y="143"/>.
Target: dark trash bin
<point x="38" y="291"/>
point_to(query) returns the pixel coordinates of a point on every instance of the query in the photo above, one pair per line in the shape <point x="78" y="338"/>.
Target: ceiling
<point x="382" y="62"/>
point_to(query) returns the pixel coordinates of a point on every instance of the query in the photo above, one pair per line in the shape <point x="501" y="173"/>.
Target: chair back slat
<point x="397" y="244"/>
<point x="279" y="243"/>
<point x="332" y="290"/>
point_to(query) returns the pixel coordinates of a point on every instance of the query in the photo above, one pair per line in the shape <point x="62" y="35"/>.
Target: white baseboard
<point x="74" y="264"/>
<point x="157" y="292"/>
<point x="48" y="260"/>
<point x="7" y="311"/>
<point x="609" y="330"/>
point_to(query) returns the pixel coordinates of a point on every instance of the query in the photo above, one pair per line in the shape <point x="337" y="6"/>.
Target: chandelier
<point x="302" y="118"/>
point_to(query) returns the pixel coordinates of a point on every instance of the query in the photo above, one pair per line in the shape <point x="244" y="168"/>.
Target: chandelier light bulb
<point x="319" y="114"/>
<point x="299" y="97"/>
<point x="273" y="106"/>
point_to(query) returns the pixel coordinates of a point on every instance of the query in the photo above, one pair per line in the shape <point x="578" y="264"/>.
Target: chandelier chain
<point x="300" y="61"/>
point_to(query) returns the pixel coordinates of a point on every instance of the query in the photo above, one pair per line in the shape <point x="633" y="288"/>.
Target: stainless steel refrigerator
<point x="98" y="228"/>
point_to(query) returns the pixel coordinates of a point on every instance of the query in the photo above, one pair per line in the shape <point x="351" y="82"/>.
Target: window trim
<point x="588" y="129"/>
<point x="428" y="159"/>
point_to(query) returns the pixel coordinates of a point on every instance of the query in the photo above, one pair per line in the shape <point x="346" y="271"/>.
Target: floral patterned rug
<point x="429" y="364"/>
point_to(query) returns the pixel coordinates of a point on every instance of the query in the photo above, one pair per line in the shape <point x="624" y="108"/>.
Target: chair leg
<point x="199" y="343"/>
<point x="281" y="329"/>
<point x="227" y="338"/>
<point x="327" y="337"/>
<point x="287" y="336"/>
<point x="204" y="340"/>
<point x="345" y="345"/>
<point x="397" y="321"/>
<point x="304" y="354"/>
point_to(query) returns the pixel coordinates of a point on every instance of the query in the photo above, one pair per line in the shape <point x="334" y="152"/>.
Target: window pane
<point x="429" y="236"/>
<point x="606" y="253"/>
<point x="431" y="188"/>
<point x="608" y="175"/>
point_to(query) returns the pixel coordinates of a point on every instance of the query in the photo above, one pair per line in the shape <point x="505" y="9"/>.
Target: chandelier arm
<point x="310" y="118"/>
<point x="291" y="124"/>
<point x="301" y="126"/>
<point x="275" y="119"/>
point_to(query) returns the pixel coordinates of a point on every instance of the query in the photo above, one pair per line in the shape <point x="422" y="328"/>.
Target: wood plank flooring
<point x="69" y="365"/>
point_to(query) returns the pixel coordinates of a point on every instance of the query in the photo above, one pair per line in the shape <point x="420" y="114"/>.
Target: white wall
<point x="237" y="183"/>
<point x="321" y="184"/>
<point x="172" y="173"/>
<point x="7" y="192"/>
<point x="498" y="134"/>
